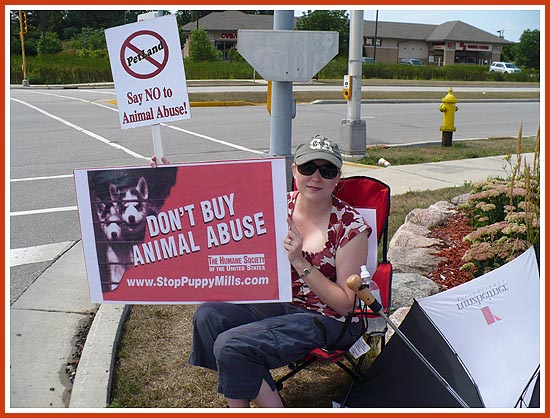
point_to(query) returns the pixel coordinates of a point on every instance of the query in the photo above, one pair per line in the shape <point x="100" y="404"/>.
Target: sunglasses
<point x="327" y="171"/>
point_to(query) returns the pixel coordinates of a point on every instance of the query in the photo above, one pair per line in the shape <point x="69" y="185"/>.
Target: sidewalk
<point x="45" y="320"/>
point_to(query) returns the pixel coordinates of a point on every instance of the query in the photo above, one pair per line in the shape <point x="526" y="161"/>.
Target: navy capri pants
<point x="243" y="342"/>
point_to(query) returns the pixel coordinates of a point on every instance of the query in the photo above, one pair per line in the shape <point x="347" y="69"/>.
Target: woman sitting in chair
<point x="326" y="243"/>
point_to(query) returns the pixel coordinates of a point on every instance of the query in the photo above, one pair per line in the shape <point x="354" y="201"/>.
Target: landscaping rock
<point x="412" y="235"/>
<point x="432" y="216"/>
<point x="406" y="287"/>
<point x="410" y="250"/>
<point x="460" y="199"/>
<point x="413" y="259"/>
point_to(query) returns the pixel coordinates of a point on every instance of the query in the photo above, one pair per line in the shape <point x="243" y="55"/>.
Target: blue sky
<point x="512" y="20"/>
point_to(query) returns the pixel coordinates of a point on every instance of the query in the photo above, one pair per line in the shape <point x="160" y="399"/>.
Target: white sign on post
<point x="147" y="66"/>
<point x="287" y="55"/>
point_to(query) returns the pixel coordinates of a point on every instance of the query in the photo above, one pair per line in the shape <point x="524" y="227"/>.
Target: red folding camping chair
<point x="365" y="194"/>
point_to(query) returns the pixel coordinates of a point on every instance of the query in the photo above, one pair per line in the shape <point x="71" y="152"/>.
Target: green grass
<point x="458" y="151"/>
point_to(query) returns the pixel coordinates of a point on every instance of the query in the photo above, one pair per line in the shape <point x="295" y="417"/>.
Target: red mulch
<point x="448" y="274"/>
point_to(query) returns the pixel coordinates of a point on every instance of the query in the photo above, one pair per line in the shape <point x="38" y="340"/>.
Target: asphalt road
<point x="53" y="132"/>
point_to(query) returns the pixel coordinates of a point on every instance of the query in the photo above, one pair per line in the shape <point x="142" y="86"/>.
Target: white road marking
<point x="61" y="176"/>
<point x="38" y="253"/>
<point x="76" y="98"/>
<point x="40" y="211"/>
<point x="208" y="138"/>
<point x="84" y="131"/>
<point x="104" y="140"/>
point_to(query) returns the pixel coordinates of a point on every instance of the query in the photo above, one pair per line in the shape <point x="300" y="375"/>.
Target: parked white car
<point x="504" y="67"/>
<point x="411" y="61"/>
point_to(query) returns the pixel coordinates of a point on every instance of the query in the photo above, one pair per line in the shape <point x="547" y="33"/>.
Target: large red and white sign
<point x="185" y="233"/>
<point x="147" y="66"/>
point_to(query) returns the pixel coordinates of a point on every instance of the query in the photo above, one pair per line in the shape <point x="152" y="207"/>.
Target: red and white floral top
<point x="345" y="223"/>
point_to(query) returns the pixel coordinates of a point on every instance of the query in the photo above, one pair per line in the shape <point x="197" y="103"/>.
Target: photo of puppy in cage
<point x="121" y="200"/>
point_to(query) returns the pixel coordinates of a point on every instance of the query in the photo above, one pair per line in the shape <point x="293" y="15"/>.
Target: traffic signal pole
<point x="23" y="29"/>
<point x="353" y="130"/>
<point x="283" y="56"/>
<point x="280" y="139"/>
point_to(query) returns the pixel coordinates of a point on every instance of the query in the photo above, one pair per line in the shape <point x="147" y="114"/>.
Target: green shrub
<point x="92" y="53"/>
<point x="91" y="65"/>
<point x="463" y="72"/>
<point x="200" y="47"/>
<point x="89" y="39"/>
<point x="228" y="70"/>
<point x="235" y="56"/>
<point x="335" y="69"/>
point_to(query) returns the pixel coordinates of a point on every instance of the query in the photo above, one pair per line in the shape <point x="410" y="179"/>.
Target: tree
<point x="49" y="44"/>
<point x="328" y="20"/>
<point x="200" y="47"/>
<point x="45" y="21"/>
<point x="527" y="51"/>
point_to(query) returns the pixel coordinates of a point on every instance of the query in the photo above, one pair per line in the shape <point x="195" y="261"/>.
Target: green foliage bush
<point x="200" y="47"/>
<point x="89" y="39"/>
<point x="235" y="56"/>
<point x="338" y="67"/>
<point x="91" y="65"/>
<point x="224" y="70"/>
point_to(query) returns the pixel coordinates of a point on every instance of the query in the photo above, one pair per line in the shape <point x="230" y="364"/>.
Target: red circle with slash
<point x="158" y="65"/>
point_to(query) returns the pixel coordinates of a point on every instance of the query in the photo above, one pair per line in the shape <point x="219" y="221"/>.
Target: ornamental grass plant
<point x="505" y="214"/>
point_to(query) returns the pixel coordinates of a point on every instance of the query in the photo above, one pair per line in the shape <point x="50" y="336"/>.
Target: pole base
<point x="353" y="138"/>
<point x="446" y="139"/>
<point x="25" y="82"/>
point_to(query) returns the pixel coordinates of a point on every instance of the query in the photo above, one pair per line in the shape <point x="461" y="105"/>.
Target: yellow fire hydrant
<point x="448" y="108"/>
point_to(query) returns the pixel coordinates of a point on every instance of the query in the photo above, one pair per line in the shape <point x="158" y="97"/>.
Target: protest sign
<point x="147" y="66"/>
<point x="186" y="233"/>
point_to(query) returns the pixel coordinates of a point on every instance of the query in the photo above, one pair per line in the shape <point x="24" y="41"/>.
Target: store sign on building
<point x="472" y="47"/>
<point x="230" y="36"/>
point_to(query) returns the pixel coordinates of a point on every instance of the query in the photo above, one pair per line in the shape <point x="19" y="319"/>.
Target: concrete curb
<point x="225" y="103"/>
<point x="92" y="384"/>
<point x="394" y="101"/>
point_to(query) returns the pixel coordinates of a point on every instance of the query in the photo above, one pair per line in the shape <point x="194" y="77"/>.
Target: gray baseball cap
<point x="318" y="148"/>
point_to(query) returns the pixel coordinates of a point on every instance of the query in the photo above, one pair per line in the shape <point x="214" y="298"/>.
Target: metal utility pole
<point x="282" y="105"/>
<point x="353" y="130"/>
<point x="375" y="36"/>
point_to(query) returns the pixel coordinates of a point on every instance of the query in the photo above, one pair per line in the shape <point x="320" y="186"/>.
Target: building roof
<point x="448" y="31"/>
<point x="397" y="30"/>
<point x="230" y="20"/>
<point x="233" y="20"/>
<point x="460" y="31"/>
